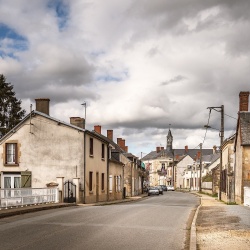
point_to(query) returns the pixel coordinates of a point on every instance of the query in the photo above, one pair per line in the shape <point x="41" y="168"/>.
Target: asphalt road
<point x="157" y="222"/>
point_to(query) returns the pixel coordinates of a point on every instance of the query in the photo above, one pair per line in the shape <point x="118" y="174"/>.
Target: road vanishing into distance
<point x="155" y="222"/>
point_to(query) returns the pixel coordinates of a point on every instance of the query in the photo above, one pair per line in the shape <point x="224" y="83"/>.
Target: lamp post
<point x="221" y="110"/>
<point x="84" y="104"/>
<point x="200" y="168"/>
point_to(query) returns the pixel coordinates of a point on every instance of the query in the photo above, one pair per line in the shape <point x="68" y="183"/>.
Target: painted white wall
<point x="48" y="149"/>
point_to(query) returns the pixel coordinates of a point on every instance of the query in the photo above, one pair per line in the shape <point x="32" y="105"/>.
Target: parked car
<point x="164" y="187"/>
<point x="170" y="188"/>
<point x="153" y="191"/>
<point x="160" y="189"/>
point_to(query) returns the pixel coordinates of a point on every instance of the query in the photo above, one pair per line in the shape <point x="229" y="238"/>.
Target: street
<point x="157" y="222"/>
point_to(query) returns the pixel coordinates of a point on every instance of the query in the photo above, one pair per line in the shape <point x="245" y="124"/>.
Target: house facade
<point x="42" y="150"/>
<point x="39" y="150"/>
<point x="227" y="175"/>
<point x="242" y="148"/>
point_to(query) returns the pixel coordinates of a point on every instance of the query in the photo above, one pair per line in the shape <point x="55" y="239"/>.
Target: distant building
<point x="163" y="166"/>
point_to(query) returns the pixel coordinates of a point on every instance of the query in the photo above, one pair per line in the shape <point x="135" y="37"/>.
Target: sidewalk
<point x="221" y="226"/>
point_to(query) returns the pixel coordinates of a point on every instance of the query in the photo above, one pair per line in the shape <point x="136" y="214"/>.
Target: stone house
<point x="126" y="175"/>
<point x="41" y="150"/>
<point x="182" y="180"/>
<point x="242" y="148"/>
<point x="227" y="175"/>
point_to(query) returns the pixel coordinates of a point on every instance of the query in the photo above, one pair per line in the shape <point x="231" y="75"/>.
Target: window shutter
<point x="26" y="179"/>
<point x="16" y="154"/>
<point x="5" y="153"/>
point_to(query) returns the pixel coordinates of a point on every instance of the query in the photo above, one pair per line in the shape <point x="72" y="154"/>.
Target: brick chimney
<point x="126" y="149"/>
<point x="162" y="148"/>
<point x="123" y="145"/>
<point x="119" y="142"/>
<point x="186" y="149"/>
<point x="198" y="155"/>
<point x="110" y="134"/>
<point x="77" y="121"/>
<point x="244" y="99"/>
<point x="98" y="129"/>
<point x="42" y="105"/>
<point x="158" y="149"/>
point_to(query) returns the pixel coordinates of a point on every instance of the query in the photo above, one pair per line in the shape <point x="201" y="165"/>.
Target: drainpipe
<point x="108" y="154"/>
<point x="84" y="168"/>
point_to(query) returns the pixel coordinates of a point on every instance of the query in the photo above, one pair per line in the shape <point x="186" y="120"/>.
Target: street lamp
<point x="84" y="104"/>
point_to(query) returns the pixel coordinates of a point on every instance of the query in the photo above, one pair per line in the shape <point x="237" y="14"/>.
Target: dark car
<point x="160" y="189"/>
<point x="164" y="187"/>
<point x="153" y="191"/>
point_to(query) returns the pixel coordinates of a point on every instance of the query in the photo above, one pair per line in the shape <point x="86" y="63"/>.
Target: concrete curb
<point x="30" y="209"/>
<point x="193" y="235"/>
<point x="34" y="208"/>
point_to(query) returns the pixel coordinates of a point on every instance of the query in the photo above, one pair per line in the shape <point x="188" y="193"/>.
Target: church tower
<point x="169" y="141"/>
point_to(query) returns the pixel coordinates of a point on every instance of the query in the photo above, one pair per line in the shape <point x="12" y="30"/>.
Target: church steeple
<point x="169" y="140"/>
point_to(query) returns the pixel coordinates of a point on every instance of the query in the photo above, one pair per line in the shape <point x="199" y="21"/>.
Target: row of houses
<point x="221" y="170"/>
<point x="42" y="151"/>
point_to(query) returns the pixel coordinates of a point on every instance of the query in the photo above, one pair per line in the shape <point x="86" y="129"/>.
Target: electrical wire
<point x="207" y="126"/>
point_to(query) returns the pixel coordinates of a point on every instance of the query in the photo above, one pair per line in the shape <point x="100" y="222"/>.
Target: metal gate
<point x="69" y="192"/>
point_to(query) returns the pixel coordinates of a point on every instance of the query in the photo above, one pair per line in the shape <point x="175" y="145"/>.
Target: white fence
<point x="14" y="197"/>
<point x="246" y="196"/>
<point x="206" y="185"/>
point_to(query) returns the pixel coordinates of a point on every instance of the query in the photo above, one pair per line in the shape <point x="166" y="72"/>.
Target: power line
<point x="207" y="126"/>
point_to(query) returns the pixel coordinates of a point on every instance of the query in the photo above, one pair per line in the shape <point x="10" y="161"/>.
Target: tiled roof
<point x="180" y="152"/>
<point x="244" y="118"/>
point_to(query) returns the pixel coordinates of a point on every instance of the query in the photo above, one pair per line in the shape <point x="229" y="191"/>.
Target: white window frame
<point x="110" y="184"/>
<point x="11" y="153"/>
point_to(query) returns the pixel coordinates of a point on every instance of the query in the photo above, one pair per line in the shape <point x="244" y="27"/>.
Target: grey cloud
<point x="177" y="78"/>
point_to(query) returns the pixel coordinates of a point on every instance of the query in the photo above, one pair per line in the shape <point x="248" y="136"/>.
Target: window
<point x="110" y="184"/>
<point x="12" y="181"/>
<point x="90" y="181"/>
<point x="224" y="180"/>
<point x="103" y="181"/>
<point x="91" y="146"/>
<point x="11" y="153"/>
<point x="103" y="151"/>
<point x="118" y="183"/>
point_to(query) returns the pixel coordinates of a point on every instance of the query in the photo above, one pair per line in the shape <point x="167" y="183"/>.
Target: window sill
<point x="11" y="164"/>
<point x="91" y="192"/>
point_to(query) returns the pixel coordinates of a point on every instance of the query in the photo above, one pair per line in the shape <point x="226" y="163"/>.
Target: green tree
<point x="11" y="112"/>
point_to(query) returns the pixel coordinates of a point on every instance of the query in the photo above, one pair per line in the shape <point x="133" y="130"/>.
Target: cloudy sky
<point x="139" y="65"/>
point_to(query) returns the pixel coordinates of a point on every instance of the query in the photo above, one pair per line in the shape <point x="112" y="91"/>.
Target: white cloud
<point x="139" y="65"/>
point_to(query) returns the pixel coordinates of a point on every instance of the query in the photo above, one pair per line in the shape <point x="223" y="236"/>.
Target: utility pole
<point x="200" y="167"/>
<point x="221" y="142"/>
